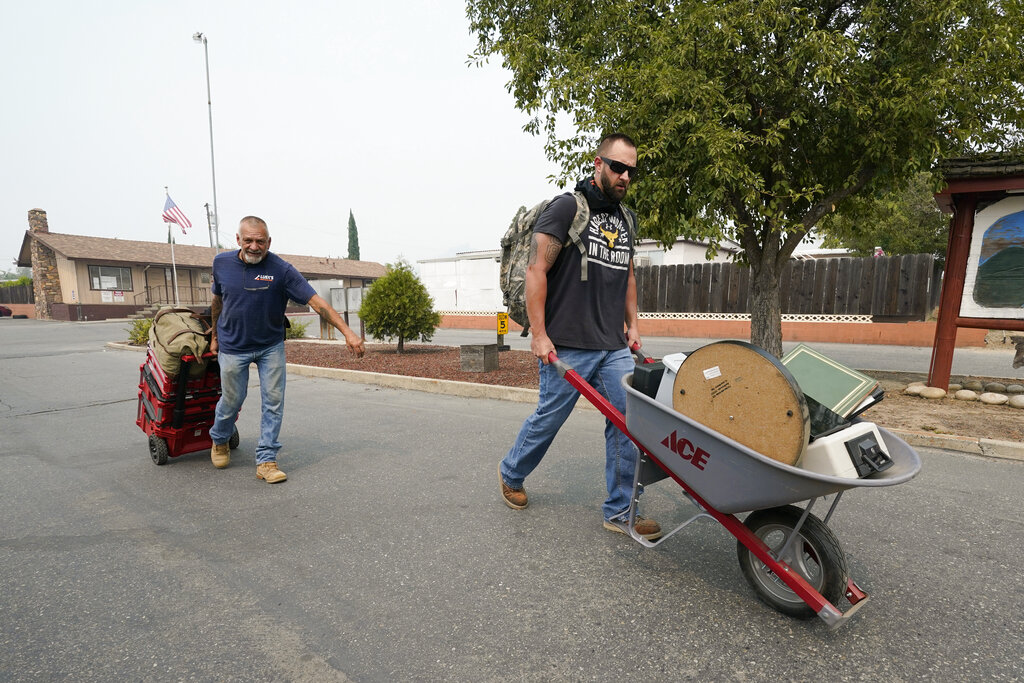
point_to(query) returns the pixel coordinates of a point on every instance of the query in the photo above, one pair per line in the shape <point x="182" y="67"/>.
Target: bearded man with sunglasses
<point x="589" y="323"/>
<point x="251" y="288"/>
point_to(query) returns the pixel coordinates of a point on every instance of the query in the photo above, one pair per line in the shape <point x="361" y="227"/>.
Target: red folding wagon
<point x="176" y="412"/>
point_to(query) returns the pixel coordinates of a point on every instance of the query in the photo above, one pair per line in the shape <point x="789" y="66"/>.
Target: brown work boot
<point x="647" y="528"/>
<point x="514" y="498"/>
<point x="220" y="455"/>
<point x="268" y="472"/>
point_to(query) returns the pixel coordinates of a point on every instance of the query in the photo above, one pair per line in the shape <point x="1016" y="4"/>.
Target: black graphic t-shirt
<point x="590" y="314"/>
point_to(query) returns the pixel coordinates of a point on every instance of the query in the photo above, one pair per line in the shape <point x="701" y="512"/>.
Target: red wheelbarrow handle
<point x="591" y="394"/>
<point x="644" y="358"/>
<point x="563" y="368"/>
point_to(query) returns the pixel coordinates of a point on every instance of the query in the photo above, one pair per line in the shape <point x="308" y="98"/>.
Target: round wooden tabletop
<point x="746" y="394"/>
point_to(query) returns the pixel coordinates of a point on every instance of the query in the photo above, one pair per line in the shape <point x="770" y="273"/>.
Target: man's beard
<point x="253" y="260"/>
<point x="611" y="190"/>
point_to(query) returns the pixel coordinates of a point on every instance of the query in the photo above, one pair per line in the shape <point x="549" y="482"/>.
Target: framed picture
<point x="994" y="281"/>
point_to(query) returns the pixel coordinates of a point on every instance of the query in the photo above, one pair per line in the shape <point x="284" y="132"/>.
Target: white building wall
<point x="681" y="253"/>
<point x="469" y="282"/>
<point x="463" y="283"/>
<point x="440" y="279"/>
<point x="477" y="285"/>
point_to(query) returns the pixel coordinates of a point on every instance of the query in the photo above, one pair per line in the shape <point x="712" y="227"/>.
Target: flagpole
<point x="201" y="38"/>
<point x="174" y="267"/>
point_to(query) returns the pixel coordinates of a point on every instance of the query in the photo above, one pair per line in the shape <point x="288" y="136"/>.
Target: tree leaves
<point x="755" y="119"/>
<point x="398" y="305"/>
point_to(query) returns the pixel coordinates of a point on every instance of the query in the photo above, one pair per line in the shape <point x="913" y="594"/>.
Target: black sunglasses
<point x="619" y="167"/>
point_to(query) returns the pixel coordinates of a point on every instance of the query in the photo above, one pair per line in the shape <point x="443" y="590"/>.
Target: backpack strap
<point x="631" y="224"/>
<point x="576" y="228"/>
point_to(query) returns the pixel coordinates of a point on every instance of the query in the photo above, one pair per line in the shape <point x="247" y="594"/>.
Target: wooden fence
<point x="17" y="294"/>
<point x="893" y="288"/>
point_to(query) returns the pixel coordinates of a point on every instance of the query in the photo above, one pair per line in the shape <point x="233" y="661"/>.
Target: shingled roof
<point x="982" y="166"/>
<point x="105" y="249"/>
<point x="991" y="174"/>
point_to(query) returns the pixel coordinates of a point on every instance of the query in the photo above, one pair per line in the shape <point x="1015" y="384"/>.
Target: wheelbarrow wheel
<point x="815" y="555"/>
<point x="158" y="449"/>
<point x="235" y="438"/>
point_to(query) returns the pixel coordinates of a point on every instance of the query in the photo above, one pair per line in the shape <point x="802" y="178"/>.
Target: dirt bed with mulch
<point x="519" y="369"/>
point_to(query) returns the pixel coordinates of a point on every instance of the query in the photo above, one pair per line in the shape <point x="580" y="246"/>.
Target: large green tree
<point x="906" y="221"/>
<point x="756" y="119"/>
<point x="353" y="237"/>
<point x="398" y="305"/>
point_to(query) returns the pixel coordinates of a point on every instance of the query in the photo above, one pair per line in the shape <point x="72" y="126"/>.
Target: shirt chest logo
<point x="264" y="278"/>
<point x="607" y="239"/>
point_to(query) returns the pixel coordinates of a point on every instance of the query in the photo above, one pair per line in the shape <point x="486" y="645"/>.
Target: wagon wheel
<point x="815" y="555"/>
<point x="158" y="449"/>
<point x="233" y="441"/>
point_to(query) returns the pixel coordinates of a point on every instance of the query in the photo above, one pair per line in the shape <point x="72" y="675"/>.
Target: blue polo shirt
<point x="254" y="298"/>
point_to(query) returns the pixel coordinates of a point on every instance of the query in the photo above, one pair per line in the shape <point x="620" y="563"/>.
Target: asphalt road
<point x="388" y="555"/>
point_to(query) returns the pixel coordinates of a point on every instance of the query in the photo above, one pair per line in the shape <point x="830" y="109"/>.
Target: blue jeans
<point x="234" y="383"/>
<point x="604" y="371"/>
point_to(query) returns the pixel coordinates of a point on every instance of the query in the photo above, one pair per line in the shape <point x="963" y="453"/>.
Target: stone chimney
<point x="37" y="221"/>
<point x="45" y="279"/>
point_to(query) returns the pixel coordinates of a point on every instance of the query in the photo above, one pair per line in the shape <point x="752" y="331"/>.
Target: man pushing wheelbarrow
<point x="731" y="429"/>
<point x="571" y="284"/>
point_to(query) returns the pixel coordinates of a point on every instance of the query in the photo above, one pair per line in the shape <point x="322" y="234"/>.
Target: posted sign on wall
<point x="994" y="282"/>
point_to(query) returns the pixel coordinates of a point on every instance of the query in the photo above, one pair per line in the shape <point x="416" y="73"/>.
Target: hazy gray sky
<point x="318" y="108"/>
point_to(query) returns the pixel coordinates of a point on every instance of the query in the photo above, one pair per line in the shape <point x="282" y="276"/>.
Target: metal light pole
<point x="200" y="38"/>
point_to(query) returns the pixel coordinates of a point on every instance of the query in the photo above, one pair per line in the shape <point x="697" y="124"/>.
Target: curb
<point x="121" y="346"/>
<point x="990" y="448"/>
<point x="430" y="385"/>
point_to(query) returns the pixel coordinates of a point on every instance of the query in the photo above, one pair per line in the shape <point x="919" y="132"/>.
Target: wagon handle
<point x="189" y="358"/>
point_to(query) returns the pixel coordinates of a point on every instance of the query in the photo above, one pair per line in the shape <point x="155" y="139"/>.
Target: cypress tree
<point x="353" y="237"/>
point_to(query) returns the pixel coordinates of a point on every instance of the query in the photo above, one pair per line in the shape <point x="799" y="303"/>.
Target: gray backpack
<point x="515" y="252"/>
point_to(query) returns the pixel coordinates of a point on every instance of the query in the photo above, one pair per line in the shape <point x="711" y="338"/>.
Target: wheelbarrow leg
<point x="646" y="473"/>
<point x="784" y="550"/>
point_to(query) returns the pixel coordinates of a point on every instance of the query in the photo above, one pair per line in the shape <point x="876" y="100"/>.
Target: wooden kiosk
<point x="983" y="286"/>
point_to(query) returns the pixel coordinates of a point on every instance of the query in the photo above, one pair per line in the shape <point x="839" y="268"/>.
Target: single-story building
<point x="468" y="281"/>
<point x="77" y="277"/>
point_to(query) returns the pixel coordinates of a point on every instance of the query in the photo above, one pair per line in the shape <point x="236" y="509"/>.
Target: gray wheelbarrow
<point x="789" y="556"/>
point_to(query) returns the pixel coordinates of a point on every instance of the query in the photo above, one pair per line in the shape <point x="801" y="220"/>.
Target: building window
<point x="204" y="277"/>
<point x="110" y="277"/>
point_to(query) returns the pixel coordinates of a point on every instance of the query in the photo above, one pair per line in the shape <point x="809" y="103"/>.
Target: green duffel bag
<point x="176" y="332"/>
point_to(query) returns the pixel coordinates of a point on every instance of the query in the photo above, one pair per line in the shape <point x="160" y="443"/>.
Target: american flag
<point x="172" y="214"/>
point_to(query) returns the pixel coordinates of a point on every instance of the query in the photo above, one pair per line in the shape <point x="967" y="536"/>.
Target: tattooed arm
<point x="544" y="249"/>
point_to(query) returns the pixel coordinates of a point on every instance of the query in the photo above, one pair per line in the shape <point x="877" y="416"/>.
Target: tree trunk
<point x="401" y="344"/>
<point x="766" y="307"/>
